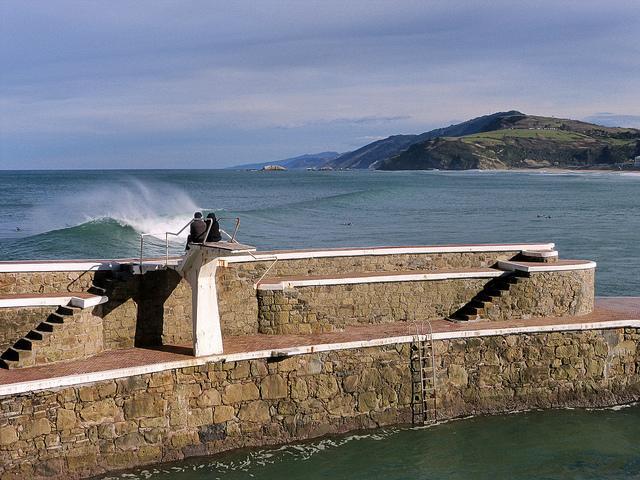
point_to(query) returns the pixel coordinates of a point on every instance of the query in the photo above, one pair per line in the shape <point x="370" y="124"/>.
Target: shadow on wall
<point x="138" y="308"/>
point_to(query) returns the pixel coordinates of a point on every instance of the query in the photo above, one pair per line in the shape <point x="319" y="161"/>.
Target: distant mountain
<point x="377" y="152"/>
<point x="310" y="160"/>
<point x="516" y="140"/>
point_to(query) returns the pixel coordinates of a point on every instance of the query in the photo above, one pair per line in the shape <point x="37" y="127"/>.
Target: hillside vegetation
<point x="515" y="140"/>
<point x="376" y="152"/>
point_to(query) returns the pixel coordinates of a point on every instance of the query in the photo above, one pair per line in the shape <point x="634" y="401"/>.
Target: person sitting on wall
<point x="197" y="230"/>
<point x="214" y="228"/>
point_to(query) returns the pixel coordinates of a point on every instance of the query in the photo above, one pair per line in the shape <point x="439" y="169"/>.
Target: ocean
<point x="101" y="214"/>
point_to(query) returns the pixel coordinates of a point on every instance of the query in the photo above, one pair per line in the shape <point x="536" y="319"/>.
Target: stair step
<point x="494" y="292"/>
<point x="66" y="310"/>
<point x="55" y="318"/>
<point x="45" y="327"/>
<point x="476" y="303"/>
<point x="469" y="310"/>
<point x="35" y="335"/>
<point x="16" y="354"/>
<point x="95" y="290"/>
<point x="8" y="364"/>
<point x="23" y="344"/>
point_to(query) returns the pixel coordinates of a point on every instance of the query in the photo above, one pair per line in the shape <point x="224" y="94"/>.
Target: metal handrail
<point x="166" y="239"/>
<point x="232" y="238"/>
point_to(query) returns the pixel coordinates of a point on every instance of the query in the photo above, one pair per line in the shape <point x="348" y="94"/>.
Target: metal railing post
<point x="166" y="252"/>
<point x="141" y="247"/>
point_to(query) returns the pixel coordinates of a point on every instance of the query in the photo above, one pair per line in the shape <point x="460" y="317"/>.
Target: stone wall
<point x="332" y="307"/>
<point x="16" y="322"/>
<point x="44" y="282"/>
<point x="592" y="368"/>
<point x="237" y="300"/>
<point x="80" y="336"/>
<point x="547" y="294"/>
<point x="85" y="430"/>
<point x="153" y="309"/>
<point x="79" y="431"/>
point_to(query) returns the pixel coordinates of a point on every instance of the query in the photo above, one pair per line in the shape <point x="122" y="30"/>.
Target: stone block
<point x="273" y="386"/>
<point x="240" y="392"/>
<point x="255" y="412"/>
<point x="323" y="386"/>
<point x="223" y="413"/>
<point x="144" y="405"/>
<point x="299" y="390"/>
<point x="199" y="417"/>
<point x="66" y="419"/>
<point x="211" y="433"/>
<point x="99" y="412"/>
<point x="240" y="371"/>
<point x="183" y="439"/>
<point x="8" y="435"/>
<point x="367" y="401"/>
<point x="129" y="441"/>
<point x="209" y="398"/>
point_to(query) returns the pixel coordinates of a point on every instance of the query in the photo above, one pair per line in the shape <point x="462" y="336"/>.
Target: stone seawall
<point x="75" y="432"/>
<point x="16" y="322"/>
<point x="152" y="309"/>
<point x="44" y="282"/>
<point x="332" y="307"/>
<point x="238" y="303"/>
<point x="547" y="294"/>
<point x="155" y="308"/>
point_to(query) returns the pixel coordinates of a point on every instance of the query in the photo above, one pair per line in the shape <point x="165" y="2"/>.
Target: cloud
<point x="216" y="80"/>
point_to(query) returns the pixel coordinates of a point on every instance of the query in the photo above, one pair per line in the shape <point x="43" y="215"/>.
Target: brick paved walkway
<point x="607" y="310"/>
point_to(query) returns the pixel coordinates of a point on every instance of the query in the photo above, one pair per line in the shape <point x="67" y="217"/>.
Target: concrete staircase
<point x="476" y="309"/>
<point x="23" y="352"/>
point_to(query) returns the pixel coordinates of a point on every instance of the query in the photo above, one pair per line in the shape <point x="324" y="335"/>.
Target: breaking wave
<point x="109" y="218"/>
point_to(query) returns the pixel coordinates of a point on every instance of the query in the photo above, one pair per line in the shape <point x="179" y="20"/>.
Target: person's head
<point x="197" y="216"/>
<point x="212" y="216"/>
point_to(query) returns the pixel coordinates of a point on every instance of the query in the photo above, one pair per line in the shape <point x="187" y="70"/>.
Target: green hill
<point x="376" y="152"/>
<point x="517" y="140"/>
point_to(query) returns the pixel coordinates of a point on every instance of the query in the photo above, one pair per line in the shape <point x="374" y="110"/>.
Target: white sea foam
<point x="153" y="208"/>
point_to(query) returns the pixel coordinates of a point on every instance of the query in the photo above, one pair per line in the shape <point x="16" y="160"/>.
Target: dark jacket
<point x="214" y="232"/>
<point x="197" y="231"/>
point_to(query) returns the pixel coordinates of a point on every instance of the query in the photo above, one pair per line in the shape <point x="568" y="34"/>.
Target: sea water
<point x="101" y="214"/>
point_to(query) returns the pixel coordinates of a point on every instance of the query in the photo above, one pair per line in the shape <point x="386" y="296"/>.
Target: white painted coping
<point x="86" y="265"/>
<point x="413" y="277"/>
<point x="544" y="267"/>
<point x="540" y="253"/>
<point x="89" y="302"/>
<point x="300" y="254"/>
<point x="58" y="266"/>
<point x="82" y="265"/>
<point x="58" y="382"/>
<point x="53" y="301"/>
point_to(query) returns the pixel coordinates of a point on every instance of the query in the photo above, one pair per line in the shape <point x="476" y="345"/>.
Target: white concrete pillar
<point x="199" y="268"/>
<point x="207" y="333"/>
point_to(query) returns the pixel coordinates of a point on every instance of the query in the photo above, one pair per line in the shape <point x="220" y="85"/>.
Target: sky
<point x="209" y="84"/>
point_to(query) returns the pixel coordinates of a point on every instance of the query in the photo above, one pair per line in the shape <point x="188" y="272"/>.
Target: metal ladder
<point x="424" y="402"/>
